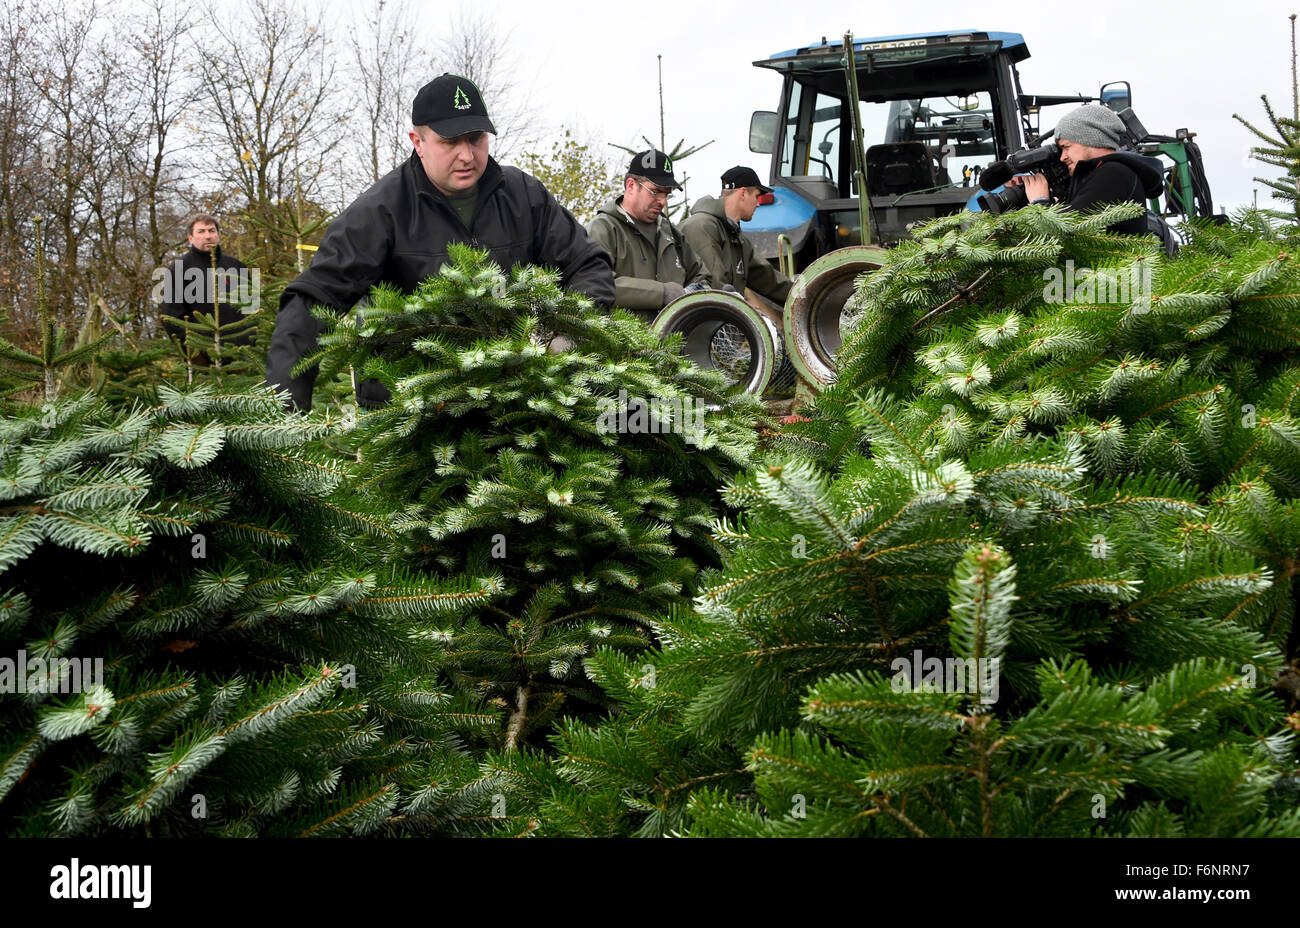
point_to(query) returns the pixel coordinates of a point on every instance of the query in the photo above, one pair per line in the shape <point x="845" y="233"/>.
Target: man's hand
<point x="1036" y="186"/>
<point x="672" y="291"/>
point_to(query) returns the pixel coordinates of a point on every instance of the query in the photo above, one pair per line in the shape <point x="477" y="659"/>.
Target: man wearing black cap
<point x="397" y="232"/>
<point x="713" y="232"/>
<point x="653" y="265"/>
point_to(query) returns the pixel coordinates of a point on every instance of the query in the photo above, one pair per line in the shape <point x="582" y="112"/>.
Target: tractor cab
<point x="935" y="108"/>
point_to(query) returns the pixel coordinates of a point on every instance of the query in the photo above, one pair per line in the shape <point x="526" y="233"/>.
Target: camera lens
<point x="1010" y="198"/>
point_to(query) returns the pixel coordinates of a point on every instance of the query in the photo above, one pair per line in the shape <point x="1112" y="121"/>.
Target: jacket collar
<point x="492" y="178"/>
<point x="1148" y="170"/>
<point x="717" y="207"/>
<point x="1088" y="165"/>
<point x="205" y="256"/>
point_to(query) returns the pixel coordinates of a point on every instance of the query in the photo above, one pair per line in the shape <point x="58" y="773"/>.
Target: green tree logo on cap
<point x="668" y="164"/>
<point x="460" y="101"/>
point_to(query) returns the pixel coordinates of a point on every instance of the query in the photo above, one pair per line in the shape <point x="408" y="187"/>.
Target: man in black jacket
<point x="397" y="232"/>
<point x="188" y="284"/>
<point x="1088" y="138"/>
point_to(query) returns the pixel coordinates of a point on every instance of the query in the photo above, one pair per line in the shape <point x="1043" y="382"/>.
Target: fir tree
<point x="211" y="356"/>
<point x="1105" y="447"/>
<point x="1282" y="149"/>
<point x="263" y="670"/>
<point x="45" y="372"/>
<point x="881" y="758"/>
<point x="587" y="477"/>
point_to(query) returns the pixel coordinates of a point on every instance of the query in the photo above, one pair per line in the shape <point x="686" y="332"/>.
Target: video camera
<point x="1045" y="160"/>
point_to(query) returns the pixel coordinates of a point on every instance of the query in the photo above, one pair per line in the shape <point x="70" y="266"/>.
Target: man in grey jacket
<point x="653" y="265"/>
<point x="713" y="232"/>
<point x="397" y="232"/>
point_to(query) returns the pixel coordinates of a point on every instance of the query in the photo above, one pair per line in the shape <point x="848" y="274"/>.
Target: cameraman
<point x="1088" y="138"/>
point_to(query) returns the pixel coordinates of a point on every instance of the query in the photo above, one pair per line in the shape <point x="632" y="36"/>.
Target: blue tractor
<point x="915" y="119"/>
<point x="934" y="109"/>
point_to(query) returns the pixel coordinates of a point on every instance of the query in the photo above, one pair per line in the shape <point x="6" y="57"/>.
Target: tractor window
<point x="791" y="124"/>
<point x="956" y="132"/>
<point x="912" y="145"/>
<point x="814" y="132"/>
<point x="824" y="147"/>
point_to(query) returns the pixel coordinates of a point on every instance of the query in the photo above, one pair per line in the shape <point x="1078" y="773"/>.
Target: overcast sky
<point x="591" y="64"/>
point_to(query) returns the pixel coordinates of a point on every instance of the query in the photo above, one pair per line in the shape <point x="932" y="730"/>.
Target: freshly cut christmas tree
<point x="586" y="478"/>
<point x="1126" y="461"/>
<point x="194" y="638"/>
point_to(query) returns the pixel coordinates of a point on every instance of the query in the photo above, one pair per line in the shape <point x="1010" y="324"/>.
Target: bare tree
<point x="104" y="104"/>
<point x="109" y="164"/>
<point x="269" y="95"/>
<point x="383" y="46"/>
<point x="59" y="69"/>
<point x="19" y="156"/>
<point x="160" y="86"/>
<point x="73" y="149"/>
<point x="475" y="47"/>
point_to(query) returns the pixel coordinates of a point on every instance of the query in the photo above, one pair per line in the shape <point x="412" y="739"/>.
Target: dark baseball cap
<point x="655" y="167"/>
<point x="451" y="105"/>
<point x="741" y="176"/>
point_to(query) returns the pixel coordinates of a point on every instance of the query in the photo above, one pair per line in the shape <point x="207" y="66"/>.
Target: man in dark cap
<point x="397" y="232"/>
<point x="713" y="232"/>
<point x="1099" y="174"/>
<point x="653" y="265"/>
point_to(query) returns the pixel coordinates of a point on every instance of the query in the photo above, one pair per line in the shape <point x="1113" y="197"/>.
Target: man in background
<point x="653" y="265"/>
<point x="713" y="232"/>
<point x="191" y="283"/>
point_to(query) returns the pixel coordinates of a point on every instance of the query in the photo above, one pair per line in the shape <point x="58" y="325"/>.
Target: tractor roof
<point x="895" y="50"/>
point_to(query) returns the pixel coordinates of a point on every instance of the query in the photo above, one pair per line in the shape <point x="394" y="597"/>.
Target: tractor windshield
<point x="913" y="144"/>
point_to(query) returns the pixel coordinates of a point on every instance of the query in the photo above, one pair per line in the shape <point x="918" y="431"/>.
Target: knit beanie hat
<point x="1092" y="125"/>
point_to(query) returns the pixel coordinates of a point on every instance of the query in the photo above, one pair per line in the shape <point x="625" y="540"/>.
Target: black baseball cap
<point x="741" y="176"/>
<point x="451" y="105"/>
<point x="655" y="167"/>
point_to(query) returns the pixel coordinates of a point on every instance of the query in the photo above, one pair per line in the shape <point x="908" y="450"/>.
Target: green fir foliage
<point x="582" y="480"/>
<point x="213" y="644"/>
<point x="1028" y="569"/>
